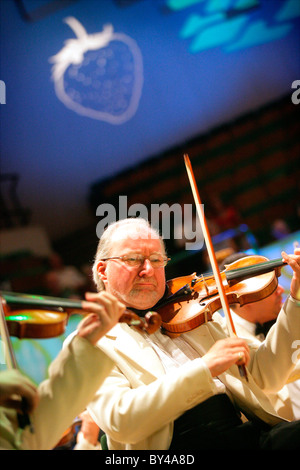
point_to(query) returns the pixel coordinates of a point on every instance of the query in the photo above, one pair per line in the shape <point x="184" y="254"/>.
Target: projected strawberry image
<point x="99" y="75"/>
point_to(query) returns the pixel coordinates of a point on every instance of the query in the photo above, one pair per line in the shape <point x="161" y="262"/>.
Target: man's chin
<point x="143" y="300"/>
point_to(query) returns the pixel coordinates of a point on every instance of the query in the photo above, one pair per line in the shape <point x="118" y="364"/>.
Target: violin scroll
<point x="150" y="323"/>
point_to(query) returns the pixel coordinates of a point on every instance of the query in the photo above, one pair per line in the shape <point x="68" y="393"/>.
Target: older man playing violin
<point x="186" y="392"/>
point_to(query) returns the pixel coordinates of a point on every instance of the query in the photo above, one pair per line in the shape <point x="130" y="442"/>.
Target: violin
<point x="35" y="316"/>
<point x="192" y="300"/>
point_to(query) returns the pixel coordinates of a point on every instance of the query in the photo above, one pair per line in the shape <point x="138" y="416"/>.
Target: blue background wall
<point x="204" y="63"/>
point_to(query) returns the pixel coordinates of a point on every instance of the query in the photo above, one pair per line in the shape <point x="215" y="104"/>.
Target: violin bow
<point x="212" y="256"/>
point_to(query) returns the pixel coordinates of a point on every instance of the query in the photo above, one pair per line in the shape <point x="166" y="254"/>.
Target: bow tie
<point x="263" y="328"/>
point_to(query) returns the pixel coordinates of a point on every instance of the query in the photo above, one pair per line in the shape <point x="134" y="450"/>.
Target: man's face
<point x="269" y="308"/>
<point x="138" y="287"/>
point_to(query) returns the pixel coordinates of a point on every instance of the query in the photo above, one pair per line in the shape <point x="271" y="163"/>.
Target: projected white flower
<point x="99" y="75"/>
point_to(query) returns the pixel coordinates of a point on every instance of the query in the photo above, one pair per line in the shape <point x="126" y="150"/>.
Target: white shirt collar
<point x="247" y="325"/>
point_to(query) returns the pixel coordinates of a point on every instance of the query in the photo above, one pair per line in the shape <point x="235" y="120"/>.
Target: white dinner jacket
<point x="135" y="416"/>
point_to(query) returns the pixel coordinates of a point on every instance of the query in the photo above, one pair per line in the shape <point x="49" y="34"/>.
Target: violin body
<point x="36" y="323"/>
<point x="29" y="317"/>
<point x="193" y="300"/>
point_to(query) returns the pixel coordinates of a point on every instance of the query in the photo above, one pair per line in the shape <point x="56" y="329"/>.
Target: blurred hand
<point x="89" y="429"/>
<point x="13" y="387"/>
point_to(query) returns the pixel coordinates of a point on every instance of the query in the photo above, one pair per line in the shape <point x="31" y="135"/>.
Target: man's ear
<point x="101" y="270"/>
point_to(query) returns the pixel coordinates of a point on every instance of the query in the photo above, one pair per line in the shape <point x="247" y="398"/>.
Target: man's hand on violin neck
<point x="294" y="262"/>
<point x="225" y="353"/>
<point x="104" y="312"/>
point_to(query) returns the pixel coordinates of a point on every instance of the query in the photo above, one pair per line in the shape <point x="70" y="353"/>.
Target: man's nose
<point x="146" y="268"/>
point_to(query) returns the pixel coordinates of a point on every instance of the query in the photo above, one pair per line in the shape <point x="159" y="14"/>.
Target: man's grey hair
<point x="105" y="245"/>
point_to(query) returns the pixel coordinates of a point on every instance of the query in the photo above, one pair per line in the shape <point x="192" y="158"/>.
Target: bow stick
<point x="212" y="256"/>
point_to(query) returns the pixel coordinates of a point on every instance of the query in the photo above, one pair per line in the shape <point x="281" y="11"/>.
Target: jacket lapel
<point x="136" y="351"/>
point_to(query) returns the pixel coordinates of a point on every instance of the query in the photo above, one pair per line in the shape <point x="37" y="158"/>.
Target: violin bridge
<point x="205" y="284"/>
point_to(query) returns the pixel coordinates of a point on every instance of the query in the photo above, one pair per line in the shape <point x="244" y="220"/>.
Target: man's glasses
<point x="137" y="260"/>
